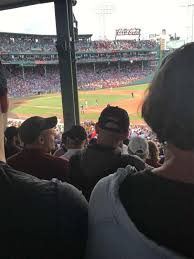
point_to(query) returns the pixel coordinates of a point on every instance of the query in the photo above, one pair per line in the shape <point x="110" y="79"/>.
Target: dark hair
<point x="10" y="133"/>
<point x="168" y="106"/>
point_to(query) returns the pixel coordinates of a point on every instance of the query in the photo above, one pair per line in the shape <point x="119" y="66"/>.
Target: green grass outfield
<point x="50" y="104"/>
<point x="133" y="87"/>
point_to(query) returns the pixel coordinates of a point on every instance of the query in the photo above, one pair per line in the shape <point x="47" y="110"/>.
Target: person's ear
<point x="40" y="140"/>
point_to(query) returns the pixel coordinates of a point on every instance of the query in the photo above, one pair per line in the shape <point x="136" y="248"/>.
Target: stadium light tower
<point x="190" y="5"/>
<point x="103" y="11"/>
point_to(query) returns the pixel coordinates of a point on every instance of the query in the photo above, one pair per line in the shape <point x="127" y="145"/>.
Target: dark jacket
<point x="11" y="149"/>
<point x="95" y="162"/>
<point x="39" y="164"/>
<point x="161" y="208"/>
<point x="40" y="218"/>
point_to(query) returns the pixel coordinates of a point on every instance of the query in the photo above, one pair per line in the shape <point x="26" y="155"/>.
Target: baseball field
<point x="91" y="103"/>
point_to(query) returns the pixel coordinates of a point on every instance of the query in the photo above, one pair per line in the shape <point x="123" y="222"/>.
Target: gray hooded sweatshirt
<point x="112" y="235"/>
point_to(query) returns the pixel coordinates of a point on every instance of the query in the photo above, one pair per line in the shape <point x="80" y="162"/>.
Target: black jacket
<point x="162" y="209"/>
<point x="87" y="167"/>
<point x="39" y="218"/>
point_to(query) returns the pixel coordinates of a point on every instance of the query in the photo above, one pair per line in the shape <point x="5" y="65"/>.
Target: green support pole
<point x="74" y="69"/>
<point x="65" y="62"/>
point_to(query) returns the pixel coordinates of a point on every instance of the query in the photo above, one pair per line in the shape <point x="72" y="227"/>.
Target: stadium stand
<point x="15" y="42"/>
<point x="32" y="62"/>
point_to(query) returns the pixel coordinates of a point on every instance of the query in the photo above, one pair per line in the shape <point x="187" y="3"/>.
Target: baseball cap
<point x="32" y="127"/>
<point x="3" y="90"/>
<point x="77" y="133"/>
<point x="114" y="119"/>
<point x="138" y="146"/>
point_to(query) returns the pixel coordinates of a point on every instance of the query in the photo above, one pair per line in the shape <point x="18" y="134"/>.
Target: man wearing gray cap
<point x="37" y="216"/>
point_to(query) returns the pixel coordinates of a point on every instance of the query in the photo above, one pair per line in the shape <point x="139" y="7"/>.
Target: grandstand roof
<point x="27" y="34"/>
<point x="8" y="4"/>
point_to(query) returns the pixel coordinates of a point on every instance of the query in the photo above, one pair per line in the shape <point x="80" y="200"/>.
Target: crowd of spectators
<point x="37" y="80"/>
<point x="28" y="43"/>
<point x="134" y="130"/>
<point x="33" y="81"/>
<point x="101" y="46"/>
<point x="140" y="131"/>
<point x="110" y="77"/>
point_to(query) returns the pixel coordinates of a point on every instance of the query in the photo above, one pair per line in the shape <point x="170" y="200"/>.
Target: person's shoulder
<point x="59" y="152"/>
<point x="141" y="178"/>
<point x="56" y="160"/>
<point x="135" y="161"/>
<point x="78" y="155"/>
<point x="60" y="159"/>
<point x="71" y="197"/>
<point x="63" y="201"/>
<point x="64" y="156"/>
<point x="21" y="180"/>
<point x="102" y="149"/>
<point x="67" y="195"/>
<point x="15" y="157"/>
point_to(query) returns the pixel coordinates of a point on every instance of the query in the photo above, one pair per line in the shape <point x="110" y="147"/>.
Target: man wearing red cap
<point x="37" y="217"/>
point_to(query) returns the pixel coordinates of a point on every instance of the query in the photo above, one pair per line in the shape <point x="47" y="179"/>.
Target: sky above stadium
<point x="151" y="16"/>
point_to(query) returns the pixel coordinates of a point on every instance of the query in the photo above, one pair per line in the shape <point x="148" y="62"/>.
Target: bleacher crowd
<point x="109" y="190"/>
<point x="35" y="80"/>
<point x="28" y="43"/>
<point x="101" y="46"/>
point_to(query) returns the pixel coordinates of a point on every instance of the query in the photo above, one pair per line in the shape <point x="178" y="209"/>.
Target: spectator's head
<point x="112" y="126"/>
<point x="11" y="134"/>
<point x="138" y="146"/>
<point x="76" y="137"/>
<point x="168" y="106"/>
<point x="3" y="110"/>
<point x="38" y="132"/>
<point x="153" y="151"/>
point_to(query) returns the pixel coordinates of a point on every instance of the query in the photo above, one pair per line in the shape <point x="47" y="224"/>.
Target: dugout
<point x="66" y="27"/>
